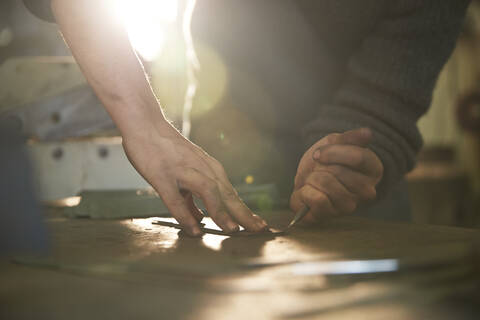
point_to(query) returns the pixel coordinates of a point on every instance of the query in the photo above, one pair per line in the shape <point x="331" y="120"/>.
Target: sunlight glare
<point x="147" y="23"/>
<point x="213" y="241"/>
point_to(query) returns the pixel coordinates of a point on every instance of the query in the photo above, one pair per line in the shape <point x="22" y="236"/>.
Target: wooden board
<point x="134" y="269"/>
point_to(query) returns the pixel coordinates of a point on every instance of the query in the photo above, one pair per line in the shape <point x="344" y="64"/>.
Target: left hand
<point x="336" y="174"/>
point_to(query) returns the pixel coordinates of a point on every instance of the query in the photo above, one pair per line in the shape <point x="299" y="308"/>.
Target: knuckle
<point x="328" y="178"/>
<point x="217" y="167"/>
<point x="324" y="179"/>
<point x="215" y="162"/>
<point x="318" y="198"/>
<point x="304" y="195"/>
<point x="209" y="186"/>
<point x="229" y="193"/>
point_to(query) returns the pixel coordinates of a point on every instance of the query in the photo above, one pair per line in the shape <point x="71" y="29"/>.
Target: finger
<point x="357" y="158"/>
<point x="319" y="203"/>
<point x="196" y="212"/>
<point x="360" y="137"/>
<point x="207" y="189"/>
<point x="179" y="209"/>
<point x="343" y="201"/>
<point x="357" y="183"/>
<point x="241" y="213"/>
<point x="297" y="204"/>
<point x="236" y="207"/>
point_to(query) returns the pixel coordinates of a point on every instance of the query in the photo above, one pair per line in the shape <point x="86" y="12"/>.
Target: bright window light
<point x="147" y="23"/>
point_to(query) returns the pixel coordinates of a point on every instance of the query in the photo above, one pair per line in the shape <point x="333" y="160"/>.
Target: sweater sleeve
<point x="389" y="82"/>
<point x="40" y="8"/>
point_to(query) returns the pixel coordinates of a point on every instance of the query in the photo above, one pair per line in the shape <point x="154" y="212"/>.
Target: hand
<point x="178" y="169"/>
<point x="175" y="167"/>
<point x="336" y="174"/>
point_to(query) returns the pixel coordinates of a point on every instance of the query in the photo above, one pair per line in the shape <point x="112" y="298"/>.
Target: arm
<point x="102" y="49"/>
<point x="174" y="166"/>
<point x="387" y="87"/>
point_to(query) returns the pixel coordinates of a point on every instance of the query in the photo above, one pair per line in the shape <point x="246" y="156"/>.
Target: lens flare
<point x="213" y="79"/>
<point x="249" y="179"/>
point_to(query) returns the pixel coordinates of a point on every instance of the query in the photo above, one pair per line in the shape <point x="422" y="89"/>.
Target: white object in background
<point x="63" y="169"/>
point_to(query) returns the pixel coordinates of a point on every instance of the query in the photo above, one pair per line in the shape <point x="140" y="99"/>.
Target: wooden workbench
<point x="131" y="269"/>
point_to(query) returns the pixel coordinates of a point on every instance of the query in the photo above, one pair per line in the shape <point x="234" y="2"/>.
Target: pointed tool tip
<point x="299" y="216"/>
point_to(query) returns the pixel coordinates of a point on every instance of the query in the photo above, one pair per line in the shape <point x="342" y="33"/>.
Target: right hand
<point x="336" y="175"/>
<point x="178" y="169"/>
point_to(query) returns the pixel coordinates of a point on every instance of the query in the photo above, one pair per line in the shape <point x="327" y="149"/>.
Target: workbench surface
<point x="132" y="269"/>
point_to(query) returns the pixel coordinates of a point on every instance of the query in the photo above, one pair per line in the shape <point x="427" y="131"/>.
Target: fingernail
<point x="316" y="155"/>
<point x="233" y="227"/>
<point x="262" y="225"/>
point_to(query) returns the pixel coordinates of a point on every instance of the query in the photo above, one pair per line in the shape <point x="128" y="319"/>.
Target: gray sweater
<point x="335" y="65"/>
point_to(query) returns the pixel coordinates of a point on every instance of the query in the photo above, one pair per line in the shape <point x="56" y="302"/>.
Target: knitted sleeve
<point x="389" y="81"/>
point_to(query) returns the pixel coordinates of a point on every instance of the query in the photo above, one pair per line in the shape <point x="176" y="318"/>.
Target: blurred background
<point x="74" y="147"/>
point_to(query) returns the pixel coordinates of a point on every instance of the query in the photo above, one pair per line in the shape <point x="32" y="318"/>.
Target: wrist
<point x="148" y="129"/>
<point x="144" y="122"/>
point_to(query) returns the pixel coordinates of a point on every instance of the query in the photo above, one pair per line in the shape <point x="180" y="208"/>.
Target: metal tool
<point x="299" y="216"/>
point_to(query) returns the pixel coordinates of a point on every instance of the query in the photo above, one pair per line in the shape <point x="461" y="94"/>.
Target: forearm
<point x="174" y="166"/>
<point x="103" y="51"/>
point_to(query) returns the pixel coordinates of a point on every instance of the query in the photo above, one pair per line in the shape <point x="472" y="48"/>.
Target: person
<point x="347" y="78"/>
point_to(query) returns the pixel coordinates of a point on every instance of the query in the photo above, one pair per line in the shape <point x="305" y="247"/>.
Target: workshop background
<point x="74" y="146"/>
<point x="107" y="248"/>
